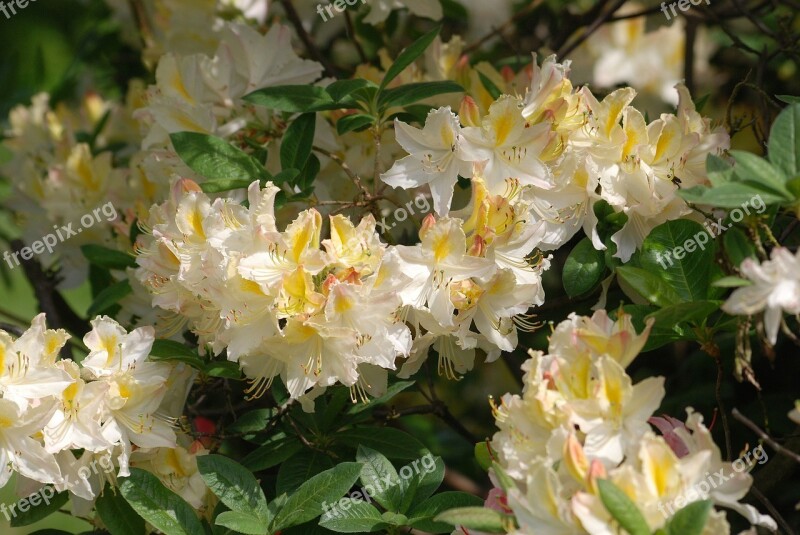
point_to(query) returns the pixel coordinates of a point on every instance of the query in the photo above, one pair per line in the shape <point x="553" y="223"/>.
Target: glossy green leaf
<point x="38" y="506"/>
<point x="421" y="517"/>
<point x="293" y="98"/>
<point x="234" y="485"/>
<point x="109" y="297"/>
<point x="477" y="518"/>
<point x="216" y="159"/>
<point x="622" y="508"/>
<point x="307" y="502"/>
<point x="412" y="93"/>
<point x="117" y="514"/>
<point x="784" y="140"/>
<point x="691" y="520"/>
<point x="158" y="505"/>
<point x="409" y="55"/>
<point x="583" y="269"/>
<point x="349" y="515"/>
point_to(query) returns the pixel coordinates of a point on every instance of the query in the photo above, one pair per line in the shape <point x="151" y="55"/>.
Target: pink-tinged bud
<point x="185" y="185"/>
<point x="181" y="187"/>
<point x="463" y="68"/>
<point x="330" y="281"/>
<point x="508" y="74"/>
<point x="469" y="112"/>
<point x="596" y="471"/>
<point x="575" y="459"/>
<point x="667" y="425"/>
<point x="427" y="224"/>
<point x="478" y="247"/>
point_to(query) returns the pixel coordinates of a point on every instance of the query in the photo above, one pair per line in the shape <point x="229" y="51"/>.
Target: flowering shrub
<point x="305" y="242"/>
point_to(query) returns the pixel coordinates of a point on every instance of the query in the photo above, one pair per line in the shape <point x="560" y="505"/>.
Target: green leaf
<point x="300" y="468"/>
<point x="297" y="142"/>
<point x="170" y="350"/>
<point x="216" y="159"/>
<point x="731" y="282"/>
<point x="691" y="520"/>
<point x="379" y="475"/>
<point x="751" y="168"/>
<point x="341" y="89"/>
<point x="251" y="422"/>
<point x="421" y="517"/>
<point x="109" y="297"/>
<point x="738" y="246"/>
<point x="483" y="455"/>
<point x="108" y="258"/>
<point x="490" y="86"/>
<point x="477" y="518"/>
<point x="409" y="55"/>
<point x="393" y="443"/>
<point x="357" y="122"/>
<point x="350" y="515"/>
<point x="694" y="312"/>
<point x="429" y="479"/>
<point x="583" y="269"/>
<point x="158" y="505"/>
<point x="411" y="93"/>
<point x="731" y="195"/>
<point x="287" y="175"/>
<point x="784" y="140"/>
<point x="681" y="254"/>
<point x="222" y="185"/>
<point x="391" y="392"/>
<point x="223" y="368"/>
<point x="241" y="522"/>
<point x="788" y="99"/>
<point x="271" y="454"/>
<point x="234" y="485"/>
<point x="307" y="502"/>
<point x="293" y="98"/>
<point x="648" y="285"/>
<point x="117" y="515"/>
<point x="719" y="170"/>
<point x="622" y="508"/>
<point x="38" y="506"/>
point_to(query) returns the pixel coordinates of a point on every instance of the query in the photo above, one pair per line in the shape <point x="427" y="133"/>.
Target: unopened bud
<point x="469" y="112"/>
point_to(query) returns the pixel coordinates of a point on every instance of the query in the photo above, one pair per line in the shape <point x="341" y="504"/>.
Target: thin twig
<point x="297" y="22"/>
<point x="764" y="436"/>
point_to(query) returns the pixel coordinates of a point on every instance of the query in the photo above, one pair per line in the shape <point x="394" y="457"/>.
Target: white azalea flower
<point x="380" y="9"/>
<point x="775" y="290"/>
<point x="436" y="157"/>
<point x="509" y="146"/>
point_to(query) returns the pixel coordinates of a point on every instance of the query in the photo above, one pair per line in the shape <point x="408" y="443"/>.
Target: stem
<point x="764" y="436"/>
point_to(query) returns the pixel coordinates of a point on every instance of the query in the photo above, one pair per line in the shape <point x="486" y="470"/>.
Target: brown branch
<point x="764" y="436"/>
<point x="50" y="301"/>
<point x="312" y="49"/>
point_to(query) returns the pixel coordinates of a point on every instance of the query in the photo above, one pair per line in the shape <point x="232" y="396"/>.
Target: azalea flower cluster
<point x="320" y="312"/>
<point x="568" y="151"/>
<point x="112" y="403"/>
<point x="580" y="418"/>
<point x="203" y="93"/>
<point x="57" y="177"/>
